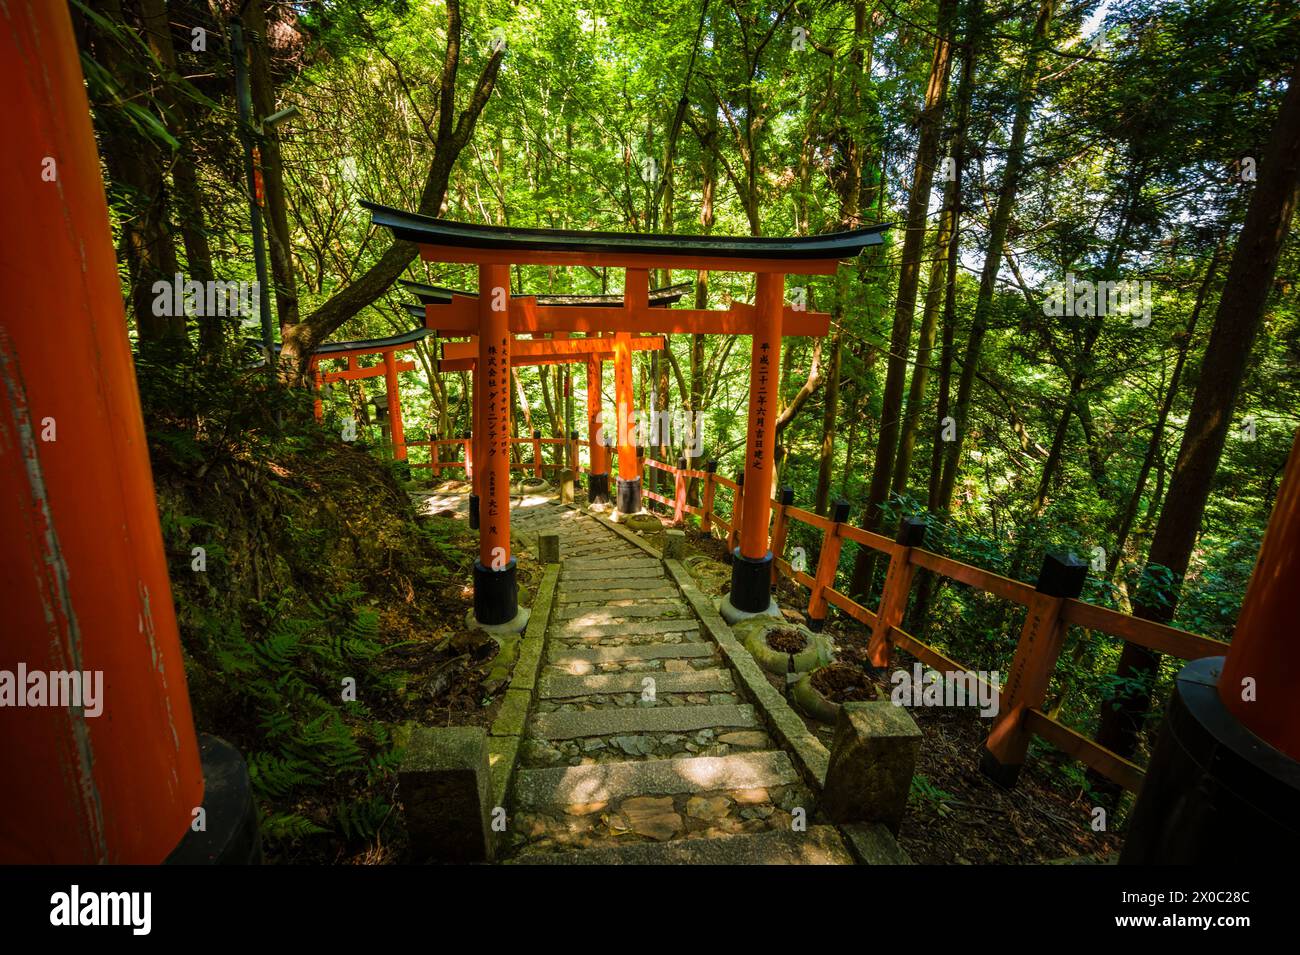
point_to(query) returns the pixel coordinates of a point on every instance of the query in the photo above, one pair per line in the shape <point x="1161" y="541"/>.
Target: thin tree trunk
<point x="1236" y="323"/>
<point x="993" y="254"/>
<point x="909" y="276"/>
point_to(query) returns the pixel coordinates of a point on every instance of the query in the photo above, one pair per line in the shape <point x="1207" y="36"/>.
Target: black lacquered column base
<point x="751" y="582"/>
<point x="496" y="593"/>
<point x="1214" y="793"/>
<point x="230" y="835"/>
<point x="629" y="496"/>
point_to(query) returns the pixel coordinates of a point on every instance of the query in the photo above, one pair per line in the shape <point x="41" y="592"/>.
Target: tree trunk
<point x="993" y="254"/>
<point x="909" y="276"/>
<point x="262" y="86"/>
<point x="136" y="167"/>
<point x="454" y="134"/>
<point x="1236" y="323"/>
<point x="944" y="238"/>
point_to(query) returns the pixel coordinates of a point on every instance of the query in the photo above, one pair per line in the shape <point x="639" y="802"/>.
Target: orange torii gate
<point x="462" y="356"/>
<point x="495" y="317"/>
<point x="463" y="360"/>
<point x="391" y="367"/>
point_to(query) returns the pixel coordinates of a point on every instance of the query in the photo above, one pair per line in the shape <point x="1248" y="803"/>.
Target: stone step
<point x="650" y="571"/>
<point x="589" y="616"/>
<point x="659" y="719"/>
<point x="636" y="628"/>
<point x="605" y="782"/>
<point x="555" y="686"/>
<point x="630" y="560"/>
<point x="661" y="593"/>
<point x="563" y="656"/>
<point x="618" y="582"/>
<point x="819" y="845"/>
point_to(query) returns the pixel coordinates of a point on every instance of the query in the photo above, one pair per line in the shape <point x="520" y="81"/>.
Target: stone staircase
<point x="639" y="749"/>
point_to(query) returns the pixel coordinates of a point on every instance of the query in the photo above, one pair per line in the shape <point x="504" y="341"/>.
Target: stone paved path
<point x="638" y="735"/>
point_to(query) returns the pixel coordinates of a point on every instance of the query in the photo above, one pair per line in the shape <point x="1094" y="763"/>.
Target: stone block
<point x="445" y="787"/>
<point x="548" y="548"/>
<point x="674" y="545"/>
<point x="872" y="758"/>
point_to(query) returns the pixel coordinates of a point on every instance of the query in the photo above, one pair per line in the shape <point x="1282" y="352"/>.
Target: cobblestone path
<point x="639" y="744"/>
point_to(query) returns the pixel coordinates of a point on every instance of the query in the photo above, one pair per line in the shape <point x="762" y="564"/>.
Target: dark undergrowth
<point x="316" y="609"/>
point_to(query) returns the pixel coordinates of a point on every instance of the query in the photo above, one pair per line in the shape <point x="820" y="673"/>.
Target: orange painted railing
<point x="460" y="453"/>
<point x="1023" y="696"/>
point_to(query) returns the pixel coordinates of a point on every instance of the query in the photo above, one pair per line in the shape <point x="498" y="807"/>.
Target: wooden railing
<point x="1052" y="606"/>
<point x="452" y="454"/>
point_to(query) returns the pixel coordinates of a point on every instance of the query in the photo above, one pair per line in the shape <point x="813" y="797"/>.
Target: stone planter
<point x="810" y="700"/>
<point x="753" y="635"/>
<point x="530" y="485"/>
<point x="813" y="702"/>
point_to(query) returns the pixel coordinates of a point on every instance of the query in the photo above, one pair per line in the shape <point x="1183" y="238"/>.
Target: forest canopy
<point x="1069" y="188"/>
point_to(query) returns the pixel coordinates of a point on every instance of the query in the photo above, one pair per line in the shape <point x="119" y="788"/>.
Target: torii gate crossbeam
<point x="495" y="315"/>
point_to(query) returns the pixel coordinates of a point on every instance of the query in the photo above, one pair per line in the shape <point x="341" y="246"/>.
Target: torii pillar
<point x="496" y="588"/>
<point x="751" y="567"/>
<point x="598" y="482"/>
<point x="120" y="777"/>
<point x="1223" y="783"/>
<point x="627" y="500"/>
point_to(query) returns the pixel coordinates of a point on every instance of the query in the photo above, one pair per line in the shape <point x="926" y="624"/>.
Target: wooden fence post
<point x="537" y="453"/>
<point x="737" y="505"/>
<point x="780" y="527"/>
<point x="893" y="598"/>
<point x="679" y="494"/>
<point x="706" y="501"/>
<point x="467" y="441"/>
<point x="434" y="464"/>
<point x="828" y="562"/>
<point x="1041" y="637"/>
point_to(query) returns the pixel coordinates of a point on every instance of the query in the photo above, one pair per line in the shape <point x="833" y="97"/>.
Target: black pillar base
<point x="751" y="582"/>
<point x="496" y="593"/>
<point x="816" y="625"/>
<point x="1215" y="793"/>
<point x="473" y="512"/>
<point x="231" y="835"/>
<point x="598" y="488"/>
<point x="629" y="496"/>
<point x="1004" y="775"/>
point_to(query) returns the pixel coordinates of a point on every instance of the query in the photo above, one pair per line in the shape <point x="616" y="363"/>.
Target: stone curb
<point x="507" y="730"/>
<point x="810" y="756"/>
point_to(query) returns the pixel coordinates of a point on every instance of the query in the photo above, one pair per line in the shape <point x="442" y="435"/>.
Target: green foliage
<point x="290" y="681"/>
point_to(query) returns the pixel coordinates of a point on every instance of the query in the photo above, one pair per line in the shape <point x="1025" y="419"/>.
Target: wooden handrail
<point x="887" y="634"/>
<point x="1004" y="587"/>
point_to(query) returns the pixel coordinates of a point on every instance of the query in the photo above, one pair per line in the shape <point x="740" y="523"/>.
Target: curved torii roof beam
<point x="437" y="295"/>
<point x="442" y="240"/>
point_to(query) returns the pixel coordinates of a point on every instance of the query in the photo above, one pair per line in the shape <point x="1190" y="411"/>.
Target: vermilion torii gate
<point x="495" y="318"/>
<point x="391" y="367"/>
<point x="460" y="359"/>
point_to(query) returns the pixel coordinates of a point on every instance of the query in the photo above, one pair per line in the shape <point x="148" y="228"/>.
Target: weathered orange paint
<point x="597" y="454"/>
<point x="359" y="374"/>
<point x="395" y="427"/>
<point x="760" y="446"/>
<point x="492" y="374"/>
<point x="828" y="562"/>
<point x="1264" y="645"/>
<point x="460" y="317"/>
<point x="83" y="574"/>
<point x="561" y="348"/>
